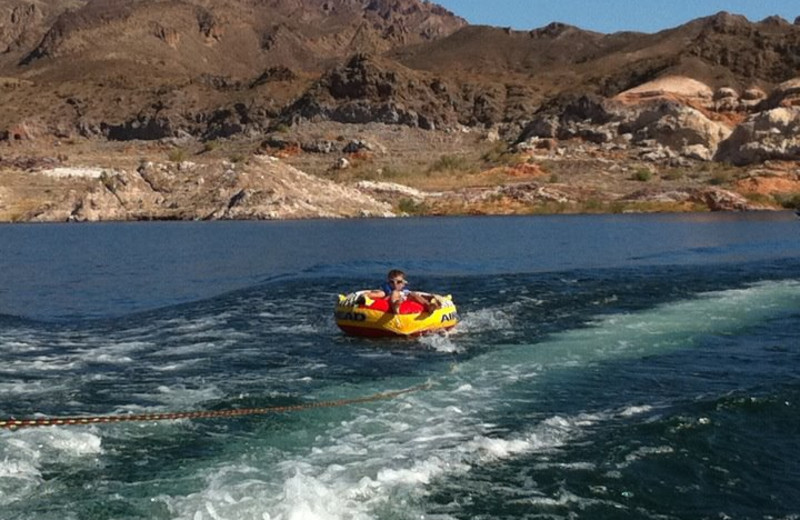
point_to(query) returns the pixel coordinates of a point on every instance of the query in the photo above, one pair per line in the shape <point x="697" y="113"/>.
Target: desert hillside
<point x="400" y="101"/>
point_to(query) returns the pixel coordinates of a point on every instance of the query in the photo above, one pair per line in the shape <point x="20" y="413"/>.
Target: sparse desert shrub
<point x="719" y="178"/>
<point x="642" y="175"/>
<point x="449" y="163"/>
<point x="789" y="200"/>
<point x="177" y="155"/>
<point x="760" y="198"/>
<point x="392" y="172"/>
<point x="411" y="206"/>
<point x="594" y="206"/>
<point x="617" y="207"/>
<point x="674" y="175"/>
<point x="499" y="154"/>
<point x="209" y="146"/>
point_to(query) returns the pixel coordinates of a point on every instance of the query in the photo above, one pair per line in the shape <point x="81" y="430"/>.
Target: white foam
<point x="24" y="452"/>
<point x="488" y="319"/>
<point x="645" y="452"/>
<point x="667" y="327"/>
<point x="61" y="443"/>
<point x="19" y="480"/>
<point x="101" y="350"/>
<point x="356" y="465"/>
<point x="111" y="359"/>
<point x="572" y="466"/>
<point x="30" y="388"/>
<point x="20" y="469"/>
<point x="206" y="323"/>
<point x="301" y="328"/>
<point x="175" y="366"/>
<point x="494" y="448"/>
<point x="199" y="348"/>
<point x="19" y="345"/>
<point x="76" y="443"/>
<point x="180" y="396"/>
<point x="635" y="410"/>
<point x="440" y="342"/>
<point x="307" y="498"/>
<point x="566" y="499"/>
<point x="45" y="364"/>
<point x="361" y="461"/>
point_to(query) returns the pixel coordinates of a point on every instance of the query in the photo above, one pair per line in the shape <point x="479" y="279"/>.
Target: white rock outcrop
<point x="773" y="134"/>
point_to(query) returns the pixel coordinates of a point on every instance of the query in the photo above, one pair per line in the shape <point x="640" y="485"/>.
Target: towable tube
<point x="360" y="316"/>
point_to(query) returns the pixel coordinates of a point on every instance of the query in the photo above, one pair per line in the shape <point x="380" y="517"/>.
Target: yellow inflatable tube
<point x="359" y="316"/>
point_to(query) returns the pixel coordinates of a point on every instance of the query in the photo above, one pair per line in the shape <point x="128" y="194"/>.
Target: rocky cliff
<point x="260" y="188"/>
<point x="270" y="77"/>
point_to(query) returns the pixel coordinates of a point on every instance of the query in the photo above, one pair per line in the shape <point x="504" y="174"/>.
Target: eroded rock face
<point x="661" y="123"/>
<point x="263" y="188"/>
<point x="715" y="199"/>
<point x="19" y="26"/>
<point x="366" y="89"/>
<point x="678" y="86"/>
<point x="674" y="125"/>
<point x="774" y="134"/>
<point x="787" y="94"/>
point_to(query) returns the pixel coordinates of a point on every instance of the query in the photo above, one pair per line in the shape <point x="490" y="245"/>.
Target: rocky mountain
<point x="718" y="89"/>
<point x="101" y="67"/>
<point x="148" y="69"/>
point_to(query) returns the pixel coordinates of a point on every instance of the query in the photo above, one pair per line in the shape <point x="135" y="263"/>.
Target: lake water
<point x="605" y="367"/>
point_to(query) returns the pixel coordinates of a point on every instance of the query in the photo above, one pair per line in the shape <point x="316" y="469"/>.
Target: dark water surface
<point x="605" y="367"/>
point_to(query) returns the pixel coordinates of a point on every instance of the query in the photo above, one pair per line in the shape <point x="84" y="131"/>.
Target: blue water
<point x="605" y="367"/>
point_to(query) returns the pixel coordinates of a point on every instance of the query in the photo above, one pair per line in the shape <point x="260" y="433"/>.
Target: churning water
<point x="604" y="367"/>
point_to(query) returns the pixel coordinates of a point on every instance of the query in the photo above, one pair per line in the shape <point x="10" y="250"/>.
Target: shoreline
<point x="422" y="173"/>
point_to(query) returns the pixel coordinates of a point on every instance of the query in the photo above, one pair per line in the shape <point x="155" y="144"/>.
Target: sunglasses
<point x="397" y="282"/>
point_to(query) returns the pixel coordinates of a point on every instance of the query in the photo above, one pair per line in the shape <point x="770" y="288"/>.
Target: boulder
<point x="668" y="87"/>
<point x="698" y="152"/>
<point x="143" y="128"/>
<point x="715" y="199"/>
<point x="278" y="143"/>
<point x="24" y="131"/>
<point x="341" y="164"/>
<point x="787" y="94"/>
<point x="754" y="94"/>
<point x="391" y="191"/>
<point x="120" y="195"/>
<point x="726" y="99"/>
<point x="544" y="126"/>
<point x="725" y="93"/>
<point x="362" y="145"/>
<point x="674" y="125"/>
<point x="318" y="146"/>
<point x="752" y="97"/>
<point x="770" y="135"/>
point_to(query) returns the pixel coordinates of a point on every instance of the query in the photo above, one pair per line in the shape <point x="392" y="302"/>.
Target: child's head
<point x="395" y="273"/>
<point x="397" y="278"/>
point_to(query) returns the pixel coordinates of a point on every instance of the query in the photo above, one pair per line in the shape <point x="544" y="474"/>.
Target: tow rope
<point x="15" y="424"/>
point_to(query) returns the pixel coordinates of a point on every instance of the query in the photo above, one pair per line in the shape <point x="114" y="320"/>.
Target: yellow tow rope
<point x="15" y="424"/>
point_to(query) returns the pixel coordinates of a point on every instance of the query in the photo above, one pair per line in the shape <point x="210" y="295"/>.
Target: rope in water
<point x="15" y="424"/>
